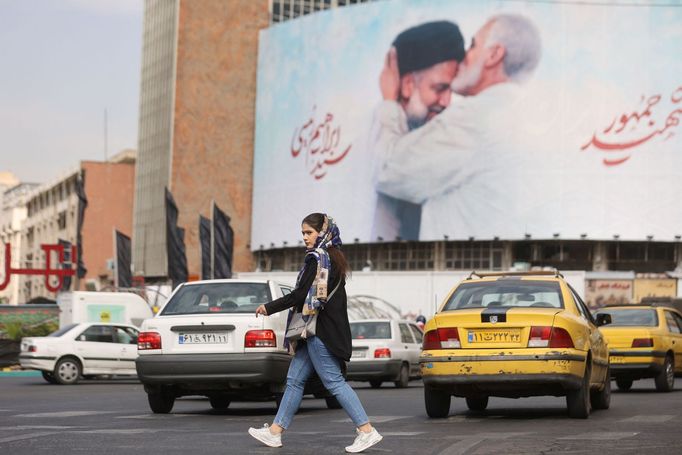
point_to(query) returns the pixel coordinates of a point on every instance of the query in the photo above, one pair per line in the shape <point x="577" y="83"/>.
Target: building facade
<point x="52" y="215"/>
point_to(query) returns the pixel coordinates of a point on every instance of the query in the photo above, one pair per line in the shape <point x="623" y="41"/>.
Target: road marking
<point x="123" y="431"/>
<point x="38" y="427"/>
<point x="605" y="435"/>
<point x="466" y="443"/>
<point x="154" y="416"/>
<point x="28" y="436"/>
<point x="648" y="418"/>
<point x="65" y="414"/>
<point x="376" y="419"/>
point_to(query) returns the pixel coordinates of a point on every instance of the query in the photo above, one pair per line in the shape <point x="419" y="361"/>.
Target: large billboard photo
<point x="440" y="119"/>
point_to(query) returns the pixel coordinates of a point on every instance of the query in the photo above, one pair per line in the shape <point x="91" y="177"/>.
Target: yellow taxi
<point x="645" y="341"/>
<point x="515" y="334"/>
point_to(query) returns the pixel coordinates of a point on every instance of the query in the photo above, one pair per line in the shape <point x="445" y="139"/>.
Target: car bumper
<point x="640" y="364"/>
<point x="524" y="373"/>
<point x="366" y="370"/>
<point x="42" y="363"/>
<point x="230" y="369"/>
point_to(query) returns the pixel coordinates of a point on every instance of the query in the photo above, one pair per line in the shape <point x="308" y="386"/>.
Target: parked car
<point x="384" y="350"/>
<point x="645" y="341"/>
<point x="515" y="335"/>
<point x="82" y="350"/>
<point x="206" y="340"/>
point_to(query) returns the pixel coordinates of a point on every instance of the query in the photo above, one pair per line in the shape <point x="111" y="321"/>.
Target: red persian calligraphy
<point x="630" y="130"/>
<point x="319" y="141"/>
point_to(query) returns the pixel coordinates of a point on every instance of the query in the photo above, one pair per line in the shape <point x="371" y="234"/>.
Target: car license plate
<point x="358" y="354"/>
<point x="495" y="336"/>
<point x="203" y="338"/>
<point x="616" y="359"/>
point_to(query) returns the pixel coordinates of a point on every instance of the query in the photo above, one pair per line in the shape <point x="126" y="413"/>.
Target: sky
<point x="62" y="64"/>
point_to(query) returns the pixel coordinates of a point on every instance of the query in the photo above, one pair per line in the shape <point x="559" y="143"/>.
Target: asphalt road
<point x="112" y="416"/>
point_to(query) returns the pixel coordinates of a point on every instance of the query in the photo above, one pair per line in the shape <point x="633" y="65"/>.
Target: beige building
<point x="13" y="196"/>
<point x="52" y="214"/>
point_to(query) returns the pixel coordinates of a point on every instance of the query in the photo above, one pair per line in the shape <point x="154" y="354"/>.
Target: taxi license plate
<point x="202" y="338"/>
<point x="358" y="354"/>
<point x="616" y="359"/>
<point x="494" y="336"/>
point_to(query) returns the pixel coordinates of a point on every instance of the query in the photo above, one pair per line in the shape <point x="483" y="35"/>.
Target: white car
<point x="85" y="349"/>
<point x="207" y="340"/>
<point x="385" y="350"/>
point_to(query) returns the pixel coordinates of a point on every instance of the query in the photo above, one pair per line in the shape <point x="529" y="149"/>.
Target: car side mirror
<point x="603" y="319"/>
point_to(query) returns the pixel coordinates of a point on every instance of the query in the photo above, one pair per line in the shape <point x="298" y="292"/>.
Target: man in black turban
<point x="428" y="56"/>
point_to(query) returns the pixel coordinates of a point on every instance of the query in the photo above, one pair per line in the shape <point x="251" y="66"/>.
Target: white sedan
<point x="85" y="349"/>
<point x="385" y="350"/>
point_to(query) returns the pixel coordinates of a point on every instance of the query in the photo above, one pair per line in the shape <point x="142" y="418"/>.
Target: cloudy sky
<point x="63" y="63"/>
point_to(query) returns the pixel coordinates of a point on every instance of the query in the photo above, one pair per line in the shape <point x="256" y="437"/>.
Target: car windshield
<point x="62" y="331"/>
<point x="370" y="330"/>
<point x="506" y="294"/>
<point x="627" y="317"/>
<point x="218" y="298"/>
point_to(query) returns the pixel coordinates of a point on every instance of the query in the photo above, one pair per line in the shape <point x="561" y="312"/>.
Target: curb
<point x="19" y="373"/>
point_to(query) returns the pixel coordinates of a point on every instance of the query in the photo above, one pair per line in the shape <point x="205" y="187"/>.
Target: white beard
<point x="467" y="77"/>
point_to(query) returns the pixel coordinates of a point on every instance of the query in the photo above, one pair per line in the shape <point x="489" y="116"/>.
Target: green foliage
<point x="17" y="330"/>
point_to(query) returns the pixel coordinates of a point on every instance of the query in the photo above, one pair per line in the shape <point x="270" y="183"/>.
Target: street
<point x="112" y="416"/>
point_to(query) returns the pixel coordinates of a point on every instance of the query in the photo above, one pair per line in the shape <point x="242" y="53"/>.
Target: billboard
<point x="562" y="122"/>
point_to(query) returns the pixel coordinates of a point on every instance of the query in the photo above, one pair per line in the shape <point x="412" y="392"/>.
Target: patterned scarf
<point x="317" y="294"/>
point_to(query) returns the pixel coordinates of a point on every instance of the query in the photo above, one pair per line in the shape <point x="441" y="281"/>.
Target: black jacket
<point x="333" y="327"/>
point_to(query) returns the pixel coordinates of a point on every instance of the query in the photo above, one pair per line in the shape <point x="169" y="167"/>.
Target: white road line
<point x="66" y="414"/>
<point x="38" y="427"/>
<point x="461" y="447"/>
<point x="28" y="436"/>
<point x="376" y="419"/>
<point x="602" y="435"/>
<point x="154" y="416"/>
<point x="648" y="418"/>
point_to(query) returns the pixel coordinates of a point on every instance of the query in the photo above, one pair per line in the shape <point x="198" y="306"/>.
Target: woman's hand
<point x="261" y="310"/>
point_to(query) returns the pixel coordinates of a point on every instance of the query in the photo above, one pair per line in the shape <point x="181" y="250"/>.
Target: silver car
<point x="385" y="350"/>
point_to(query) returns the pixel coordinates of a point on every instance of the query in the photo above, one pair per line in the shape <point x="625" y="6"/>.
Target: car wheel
<point x="624" y="384"/>
<point x="375" y="384"/>
<point x="601" y="399"/>
<point x="161" y="400"/>
<point x="67" y="371"/>
<point x="333" y="403"/>
<point x="665" y="380"/>
<point x="578" y="401"/>
<point x="437" y="403"/>
<point x="477" y="403"/>
<point x="219" y="403"/>
<point x="49" y="377"/>
<point x="404" y="377"/>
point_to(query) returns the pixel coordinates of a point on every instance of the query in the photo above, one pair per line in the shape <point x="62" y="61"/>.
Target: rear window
<point x="370" y="330"/>
<point x="62" y="331"/>
<point x="631" y="317"/>
<point x="506" y="294"/>
<point x="218" y="298"/>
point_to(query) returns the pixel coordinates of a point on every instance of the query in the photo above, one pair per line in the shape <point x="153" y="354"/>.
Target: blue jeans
<point x="313" y="355"/>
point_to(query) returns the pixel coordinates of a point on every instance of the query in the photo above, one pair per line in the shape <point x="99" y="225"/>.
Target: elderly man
<point x="463" y="166"/>
<point x="427" y="56"/>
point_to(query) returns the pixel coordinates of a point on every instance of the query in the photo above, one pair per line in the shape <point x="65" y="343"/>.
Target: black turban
<point x="428" y="44"/>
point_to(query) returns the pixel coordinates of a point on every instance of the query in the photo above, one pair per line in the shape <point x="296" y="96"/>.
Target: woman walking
<point x="324" y="270"/>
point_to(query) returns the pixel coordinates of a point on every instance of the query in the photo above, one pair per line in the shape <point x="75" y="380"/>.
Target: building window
<point x="61" y="220"/>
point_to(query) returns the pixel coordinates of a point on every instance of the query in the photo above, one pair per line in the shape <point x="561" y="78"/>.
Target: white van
<point x="114" y="307"/>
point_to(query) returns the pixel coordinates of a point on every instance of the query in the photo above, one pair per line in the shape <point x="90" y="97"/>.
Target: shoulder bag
<point x="299" y="328"/>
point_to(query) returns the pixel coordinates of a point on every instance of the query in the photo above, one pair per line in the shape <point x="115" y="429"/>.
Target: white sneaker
<point x="266" y="437"/>
<point x="364" y="441"/>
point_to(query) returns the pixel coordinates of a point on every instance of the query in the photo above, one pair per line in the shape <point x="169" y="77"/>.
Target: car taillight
<point x="260" y="339"/>
<point x="32" y="348"/>
<point x="643" y="343"/>
<point x="148" y="340"/>
<point x="553" y="337"/>
<point x="445" y="338"/>
<point x="383" y="353"/>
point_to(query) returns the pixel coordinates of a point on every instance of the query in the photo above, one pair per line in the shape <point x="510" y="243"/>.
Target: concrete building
<point x="196" y="137"/>
<point x="52" y="214"/>
<point x="12" y="215"/>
